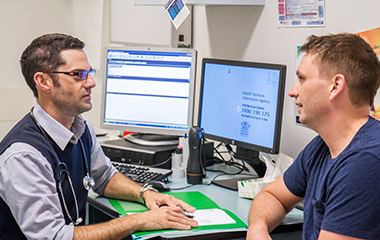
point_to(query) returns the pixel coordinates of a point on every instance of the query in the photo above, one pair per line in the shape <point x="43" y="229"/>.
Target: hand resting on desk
<point x="166" y="212"/>
<point x="163" y="218"/>
<point x="155" y="200"/>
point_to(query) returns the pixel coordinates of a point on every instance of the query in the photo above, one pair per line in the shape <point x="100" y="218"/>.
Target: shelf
<point x="204" y="2"/>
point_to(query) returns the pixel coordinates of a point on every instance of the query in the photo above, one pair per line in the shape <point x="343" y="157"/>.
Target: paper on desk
<point x="212" y="217"/>
<point x="208" y="217"/>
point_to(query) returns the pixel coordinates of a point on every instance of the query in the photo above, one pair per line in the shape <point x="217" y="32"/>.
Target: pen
<point x="187" y="215"/>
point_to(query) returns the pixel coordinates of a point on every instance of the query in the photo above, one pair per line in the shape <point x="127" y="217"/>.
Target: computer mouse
<point x="160" y="186"/>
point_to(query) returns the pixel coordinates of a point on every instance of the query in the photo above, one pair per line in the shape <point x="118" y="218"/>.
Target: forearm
<point x="158" y="217"/>
<point x="266" y="213"/>
<point x="117" y="228"/>
<point x="121" y="187"/>
<point x="269" y="208"/>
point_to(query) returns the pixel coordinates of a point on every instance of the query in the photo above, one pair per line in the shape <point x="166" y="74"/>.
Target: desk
<point x="101" y="210"/>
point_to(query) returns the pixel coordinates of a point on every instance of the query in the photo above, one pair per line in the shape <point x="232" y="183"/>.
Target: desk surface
<point x="225" y="198"/>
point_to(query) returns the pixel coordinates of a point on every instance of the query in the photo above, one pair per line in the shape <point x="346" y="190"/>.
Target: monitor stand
<point x="251" y="157"/>
<point x="152" y="140"/>
<point x="232" y="183"/>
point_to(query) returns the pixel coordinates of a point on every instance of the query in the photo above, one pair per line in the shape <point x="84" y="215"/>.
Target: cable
<point x="183" y="187"/>
<point x="162" y="163"/>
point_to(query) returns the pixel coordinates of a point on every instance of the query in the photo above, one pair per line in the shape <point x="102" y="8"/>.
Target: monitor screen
<point x="242" y="103"/>
<point x="148" y="90"/>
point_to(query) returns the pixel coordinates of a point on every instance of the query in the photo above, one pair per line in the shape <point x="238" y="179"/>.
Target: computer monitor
<point x="241" y="104"/>
<point x="149" y="90"/>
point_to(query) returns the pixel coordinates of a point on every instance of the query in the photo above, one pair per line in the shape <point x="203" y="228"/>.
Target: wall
<point x="23" y="20"/>
<point x="19" y="24"/>
<point x="250" y="33"/>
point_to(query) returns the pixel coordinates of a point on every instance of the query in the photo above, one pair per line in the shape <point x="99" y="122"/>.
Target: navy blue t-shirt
<point x="342" y="195"/>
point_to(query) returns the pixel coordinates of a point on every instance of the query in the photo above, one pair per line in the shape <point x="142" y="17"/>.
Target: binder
<point x="197" y="200"/>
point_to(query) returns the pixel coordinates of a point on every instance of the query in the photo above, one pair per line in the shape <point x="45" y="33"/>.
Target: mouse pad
<point x="231" y="183"/>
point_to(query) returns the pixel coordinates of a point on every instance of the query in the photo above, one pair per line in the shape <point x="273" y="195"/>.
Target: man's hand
<point x="118" y="228"/>
<point x="163" y="218"/>
<point x="154" y="200"/>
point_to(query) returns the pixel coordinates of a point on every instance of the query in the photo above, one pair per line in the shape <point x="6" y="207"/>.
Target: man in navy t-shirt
<point x="337" y="174"/>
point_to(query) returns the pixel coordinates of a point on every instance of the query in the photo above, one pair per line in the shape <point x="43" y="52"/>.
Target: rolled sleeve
<point x="29" y="189"/>
<point x="102" y="169"/>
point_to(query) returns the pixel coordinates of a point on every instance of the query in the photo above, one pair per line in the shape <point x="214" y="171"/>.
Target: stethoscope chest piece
<point x="88" y="182"/>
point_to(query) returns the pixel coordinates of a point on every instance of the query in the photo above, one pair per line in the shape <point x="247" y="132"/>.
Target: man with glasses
<point x="51" y="158"/>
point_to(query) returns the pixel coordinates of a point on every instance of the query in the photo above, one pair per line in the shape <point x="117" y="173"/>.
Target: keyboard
<point x="142" y="174"/>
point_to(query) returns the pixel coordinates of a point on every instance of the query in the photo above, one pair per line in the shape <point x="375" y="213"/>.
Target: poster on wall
<point x="297" y="13"/>
<point x="372" y="37"/>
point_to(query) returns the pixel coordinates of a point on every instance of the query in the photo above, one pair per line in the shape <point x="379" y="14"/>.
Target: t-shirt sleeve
<point x="295" y="177"/>
<point x="352" y="201"/>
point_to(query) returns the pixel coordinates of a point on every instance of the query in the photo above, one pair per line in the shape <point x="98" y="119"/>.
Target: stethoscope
<point x="88" y="181"/>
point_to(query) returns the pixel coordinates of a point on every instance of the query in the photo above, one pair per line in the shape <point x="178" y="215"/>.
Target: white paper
<point x="212" y="217"/>
<point x="208" y="217"/>
<point x="178" y="11"/>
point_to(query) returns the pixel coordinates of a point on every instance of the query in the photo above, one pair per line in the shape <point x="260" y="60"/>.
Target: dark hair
<point x="352" y="56"/>
<point x="43" y="54"/>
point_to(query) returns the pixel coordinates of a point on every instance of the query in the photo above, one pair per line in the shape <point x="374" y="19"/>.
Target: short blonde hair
<point x="350" y="55"/>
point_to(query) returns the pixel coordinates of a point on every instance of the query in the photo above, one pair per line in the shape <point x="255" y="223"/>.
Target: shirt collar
<point x="60" y="134"/>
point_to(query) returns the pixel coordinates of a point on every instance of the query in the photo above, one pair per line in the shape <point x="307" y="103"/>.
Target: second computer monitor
<point x="242" y="103"/>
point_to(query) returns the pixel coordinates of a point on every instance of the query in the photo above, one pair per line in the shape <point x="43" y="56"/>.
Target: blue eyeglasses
<point x="81" y="75"/>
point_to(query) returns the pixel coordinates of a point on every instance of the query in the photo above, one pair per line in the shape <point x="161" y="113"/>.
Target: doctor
<point x="51" y="158"/>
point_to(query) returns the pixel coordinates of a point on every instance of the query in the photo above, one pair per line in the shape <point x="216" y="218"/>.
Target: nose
<point x="90" y="82"/>
<point x="294" y="91"/>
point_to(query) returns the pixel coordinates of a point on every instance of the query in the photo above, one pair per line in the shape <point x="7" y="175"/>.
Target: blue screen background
<point x="240" y="103"/>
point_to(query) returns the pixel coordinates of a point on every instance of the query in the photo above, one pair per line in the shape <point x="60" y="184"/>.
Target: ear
<point x="43" y="82"/>
<point x="338" y="84"/>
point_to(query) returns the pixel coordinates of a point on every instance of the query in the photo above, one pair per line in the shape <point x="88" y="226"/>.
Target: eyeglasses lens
<point x="82" y="75"/>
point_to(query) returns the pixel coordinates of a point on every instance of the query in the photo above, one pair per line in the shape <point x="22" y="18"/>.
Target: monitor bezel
<point x="144" y="129"/>
<point x="279" y="109"/>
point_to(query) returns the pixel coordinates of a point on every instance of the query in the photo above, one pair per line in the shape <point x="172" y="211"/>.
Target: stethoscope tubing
<point x="88" y="181"/>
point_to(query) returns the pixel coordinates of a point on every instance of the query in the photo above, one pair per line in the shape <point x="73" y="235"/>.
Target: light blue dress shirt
<point x="27" y="182"/>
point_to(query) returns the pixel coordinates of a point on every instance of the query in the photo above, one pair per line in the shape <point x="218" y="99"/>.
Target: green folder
<point x="195" y="199"/>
